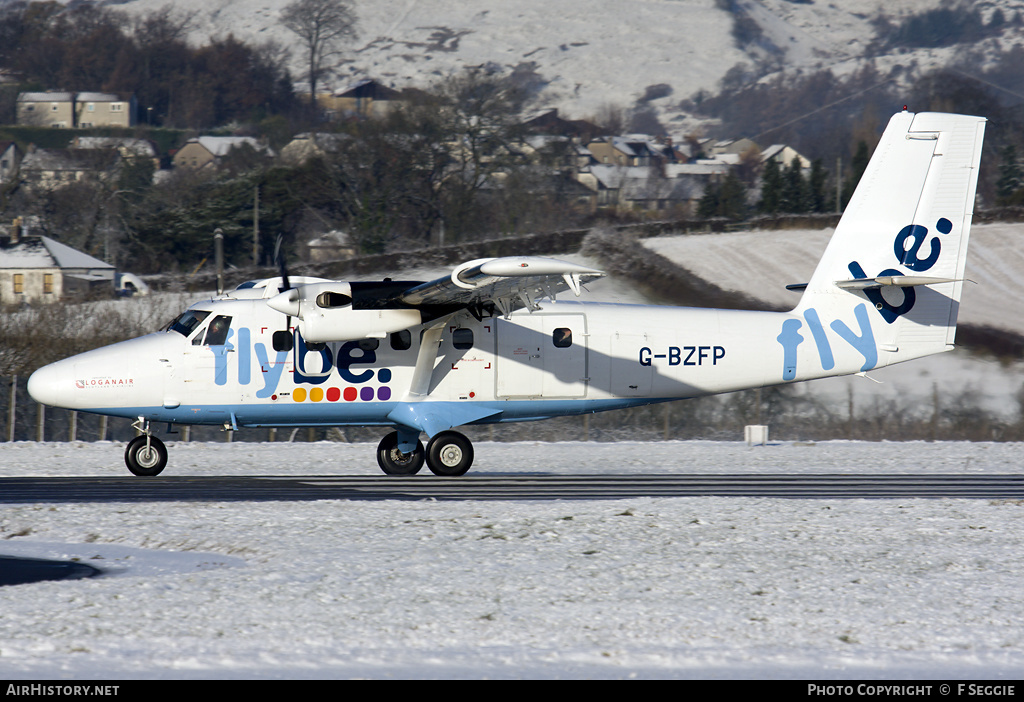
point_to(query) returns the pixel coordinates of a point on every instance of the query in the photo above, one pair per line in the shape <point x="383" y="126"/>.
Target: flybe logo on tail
<point x="907" y="247"/>
<point x="914" y="250"/>
<point x="864" y="342"/>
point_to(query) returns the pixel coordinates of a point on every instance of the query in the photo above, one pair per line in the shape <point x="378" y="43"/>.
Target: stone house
<point x="66" y="110"/>
<point x="365" y="98"/>
<point x="10" y="158"/>
<point x="53" y="168"/>
<point x="208" y="151"/>
<point x="40" y="269"/>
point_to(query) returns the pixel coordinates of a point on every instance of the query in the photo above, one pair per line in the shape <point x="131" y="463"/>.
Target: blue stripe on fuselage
<point x="294" y="414"/>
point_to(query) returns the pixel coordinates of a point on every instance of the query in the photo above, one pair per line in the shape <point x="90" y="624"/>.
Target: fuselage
<point x="567" y="358"/>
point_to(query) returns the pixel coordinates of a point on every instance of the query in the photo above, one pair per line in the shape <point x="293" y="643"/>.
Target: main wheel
<point x="449" y="453"/>
<point x="394" y="462"/>
<point x="145" y="460"/>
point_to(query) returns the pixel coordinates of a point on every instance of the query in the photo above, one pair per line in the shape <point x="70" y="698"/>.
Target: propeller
<point x="283" y="339"/>
<point x="279" y="260"/>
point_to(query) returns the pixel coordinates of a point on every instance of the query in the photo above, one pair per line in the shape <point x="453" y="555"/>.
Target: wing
<point x="507" y="283"/>
<point x="342" y="311"/>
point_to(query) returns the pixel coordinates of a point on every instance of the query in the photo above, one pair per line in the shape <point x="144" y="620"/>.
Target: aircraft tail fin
<point x="898" y="254"/>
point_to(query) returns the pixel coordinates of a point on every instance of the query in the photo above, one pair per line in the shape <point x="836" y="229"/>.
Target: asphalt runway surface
<point x="425" y="486"/>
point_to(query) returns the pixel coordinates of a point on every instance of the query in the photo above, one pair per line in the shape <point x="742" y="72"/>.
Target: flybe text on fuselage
<point x="308" y="367"/>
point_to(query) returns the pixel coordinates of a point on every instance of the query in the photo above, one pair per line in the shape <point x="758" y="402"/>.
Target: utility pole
<point x="218" y="253"/>
<point x="839" y="184"/>
<point x="12" y="408"/>
<point x="256" y="227"/>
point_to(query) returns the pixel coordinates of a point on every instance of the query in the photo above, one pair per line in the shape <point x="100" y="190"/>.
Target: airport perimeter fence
<point x="793" y="413"/>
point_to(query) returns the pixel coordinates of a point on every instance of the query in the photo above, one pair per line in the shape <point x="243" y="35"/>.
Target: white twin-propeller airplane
<point x="490" y="343"/>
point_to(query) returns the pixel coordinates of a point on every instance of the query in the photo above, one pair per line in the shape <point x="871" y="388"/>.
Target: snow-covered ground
<point x="643" y="587"/>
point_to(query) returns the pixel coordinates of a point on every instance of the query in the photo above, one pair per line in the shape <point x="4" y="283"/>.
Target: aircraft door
<point x="174" y="381"/>
<point x="206" y="356"/>
<point x="631" y="373"/>
<point x="542" y="356"/>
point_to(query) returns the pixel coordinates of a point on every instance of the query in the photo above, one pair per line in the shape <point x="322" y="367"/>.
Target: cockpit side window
<point x="217" y="332"/>
<point x="187" y="321"/>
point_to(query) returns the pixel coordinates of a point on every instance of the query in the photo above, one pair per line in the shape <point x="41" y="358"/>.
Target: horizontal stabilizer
<point x="896" y="281"/>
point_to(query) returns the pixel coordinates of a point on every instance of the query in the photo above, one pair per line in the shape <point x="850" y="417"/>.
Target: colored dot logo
<point x="347" y="394"/>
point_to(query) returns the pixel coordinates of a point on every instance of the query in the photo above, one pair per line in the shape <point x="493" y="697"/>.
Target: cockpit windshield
<point x="187" y="322"/>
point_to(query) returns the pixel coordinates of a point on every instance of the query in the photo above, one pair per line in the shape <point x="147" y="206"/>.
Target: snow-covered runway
<point x="647" y="587"/>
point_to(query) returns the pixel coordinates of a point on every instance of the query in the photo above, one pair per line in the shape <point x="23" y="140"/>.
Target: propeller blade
<point x="279" y="259"/>
<point x="287" y="300"/>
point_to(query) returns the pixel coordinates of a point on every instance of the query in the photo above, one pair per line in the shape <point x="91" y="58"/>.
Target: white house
<point x="40" y="269"/>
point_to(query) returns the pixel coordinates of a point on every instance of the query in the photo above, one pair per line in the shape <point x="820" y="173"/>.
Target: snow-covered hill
<point x="588" y="55"/>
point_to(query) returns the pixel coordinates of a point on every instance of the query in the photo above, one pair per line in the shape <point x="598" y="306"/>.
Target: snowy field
<point x="644" y="587"/>
<point x="762" y="263"/>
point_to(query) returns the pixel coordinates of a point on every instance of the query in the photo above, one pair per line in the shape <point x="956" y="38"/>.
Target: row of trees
<point x="445" y="167"/>
<point x="83" y="46"/>
<point x="784" y="190"/>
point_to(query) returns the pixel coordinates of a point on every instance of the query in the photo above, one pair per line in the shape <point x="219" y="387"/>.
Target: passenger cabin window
<point x="329" y="299"/>
<point x="401" y="340"/>
<point x="217" y="332"/>
<point x="562" y="337"/>
<point x="462" y="338"/>
<point x="187" y="322"/>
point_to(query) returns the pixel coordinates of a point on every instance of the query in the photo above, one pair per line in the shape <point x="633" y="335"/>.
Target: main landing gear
<point x="449" y="454"/>
<point x="145" y="455"/>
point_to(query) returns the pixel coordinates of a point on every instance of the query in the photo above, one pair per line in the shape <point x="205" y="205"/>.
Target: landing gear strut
<point x="145" y="455"/>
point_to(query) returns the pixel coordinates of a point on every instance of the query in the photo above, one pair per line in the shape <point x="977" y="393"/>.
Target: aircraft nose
<point x="49" y="385"/>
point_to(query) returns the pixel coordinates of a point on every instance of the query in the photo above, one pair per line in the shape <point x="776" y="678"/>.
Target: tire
<point x="394" y="462"/>
<point x="145" y="461"/>
<point x="449" y="454"/>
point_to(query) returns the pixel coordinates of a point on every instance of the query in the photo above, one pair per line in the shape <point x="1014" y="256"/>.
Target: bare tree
<point x="322" y="25"/>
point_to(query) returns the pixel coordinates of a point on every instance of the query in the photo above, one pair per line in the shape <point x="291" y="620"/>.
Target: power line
<point x="822" y="108"/>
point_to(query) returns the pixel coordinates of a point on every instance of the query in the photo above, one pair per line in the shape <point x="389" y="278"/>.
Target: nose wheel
<point x="145" y="455"/>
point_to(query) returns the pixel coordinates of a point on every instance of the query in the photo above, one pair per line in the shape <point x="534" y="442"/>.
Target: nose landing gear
<point x="145" y="455"/>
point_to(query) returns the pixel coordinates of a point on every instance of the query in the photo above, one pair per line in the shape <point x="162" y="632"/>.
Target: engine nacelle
<point x="325" y="313"/>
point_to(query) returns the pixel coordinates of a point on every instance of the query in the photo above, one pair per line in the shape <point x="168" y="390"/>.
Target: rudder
<point x="900" y="249"/>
